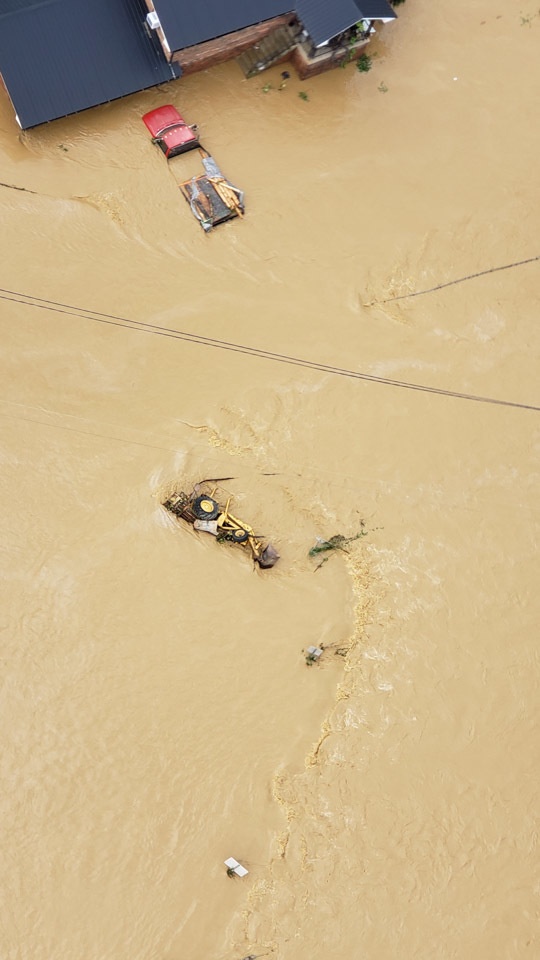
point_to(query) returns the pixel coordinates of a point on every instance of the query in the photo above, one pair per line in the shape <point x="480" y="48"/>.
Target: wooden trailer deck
<point x="213" y="199"/>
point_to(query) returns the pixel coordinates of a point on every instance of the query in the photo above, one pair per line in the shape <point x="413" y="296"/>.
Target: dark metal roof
<point x="324" y="19"/>
<point x="187" y="22"/>
<point x="376" y="10"/>
<point x="61" y="56"/>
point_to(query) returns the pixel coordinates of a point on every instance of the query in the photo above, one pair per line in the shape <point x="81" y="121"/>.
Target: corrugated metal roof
<point x="8" y="6"/>
<point x="61" y="56"/>
<point x="376" y="10"/>
<point x="324" y="19"/>
<point x="187" y="22"/>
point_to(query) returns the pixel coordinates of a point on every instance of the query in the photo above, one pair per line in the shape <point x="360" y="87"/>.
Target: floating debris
<point x="336" y="542"/>
<point x="235" y="869"/>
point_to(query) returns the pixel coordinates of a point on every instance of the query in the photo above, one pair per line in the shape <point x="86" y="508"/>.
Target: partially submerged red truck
<point x="212" y="198"/>
<point x="170" y="131"/>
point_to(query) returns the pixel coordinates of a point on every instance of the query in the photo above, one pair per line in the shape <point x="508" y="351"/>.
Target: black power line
<point x="55" y="306"/>
<point x="450" y="283"/>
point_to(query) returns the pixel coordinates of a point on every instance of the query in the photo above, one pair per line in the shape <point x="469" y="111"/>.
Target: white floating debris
<point x="314" y="652"/>
<point x="236" y="867"/>
<point x="209" y="526"/>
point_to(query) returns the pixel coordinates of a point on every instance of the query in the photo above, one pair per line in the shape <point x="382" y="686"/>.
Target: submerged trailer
<point x="213" y="199"/>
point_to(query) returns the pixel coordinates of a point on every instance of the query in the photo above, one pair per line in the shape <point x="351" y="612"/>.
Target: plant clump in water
<point x="336" y="542"/>
<point x="363" y="64"/>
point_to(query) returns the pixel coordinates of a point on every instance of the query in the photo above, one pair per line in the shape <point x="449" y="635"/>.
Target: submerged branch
<point x="336" y="542"/>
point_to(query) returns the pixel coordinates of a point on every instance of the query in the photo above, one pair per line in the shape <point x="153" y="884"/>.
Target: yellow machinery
<point x="205" y="513"/>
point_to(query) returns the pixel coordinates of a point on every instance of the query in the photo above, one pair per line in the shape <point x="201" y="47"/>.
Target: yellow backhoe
<point x="205" y="513"/>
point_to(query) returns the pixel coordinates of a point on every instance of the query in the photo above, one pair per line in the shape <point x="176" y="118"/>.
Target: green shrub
<point x="363" y="64"/>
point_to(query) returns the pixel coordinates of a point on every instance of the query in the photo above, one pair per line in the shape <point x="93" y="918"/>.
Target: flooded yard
<point x="158" y="714"/>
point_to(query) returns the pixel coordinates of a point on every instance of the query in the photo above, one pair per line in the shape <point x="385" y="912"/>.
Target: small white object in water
<point x="236" y="867"/>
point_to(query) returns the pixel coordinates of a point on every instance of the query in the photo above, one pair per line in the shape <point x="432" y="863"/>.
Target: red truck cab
<point x="170" y="131"/>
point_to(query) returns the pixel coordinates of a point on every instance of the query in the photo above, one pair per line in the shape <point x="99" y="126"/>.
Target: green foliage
<point x="363" y="64"/>
<point x="303" y="95"/>
<point x="527" y="21"/>
<point x="336" y="542"/>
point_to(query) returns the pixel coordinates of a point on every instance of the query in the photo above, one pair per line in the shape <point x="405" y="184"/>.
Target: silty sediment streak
<point x="310" y="834"/>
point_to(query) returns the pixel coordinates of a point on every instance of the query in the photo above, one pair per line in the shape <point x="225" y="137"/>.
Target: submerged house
<point x="58" y="57"/>
<point x="314" y="35"/>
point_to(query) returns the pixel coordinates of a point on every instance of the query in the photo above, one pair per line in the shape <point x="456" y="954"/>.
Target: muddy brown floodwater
<point x="157" y="714"/>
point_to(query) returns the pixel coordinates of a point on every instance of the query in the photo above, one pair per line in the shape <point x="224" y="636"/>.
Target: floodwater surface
<point x="157" y="712"/>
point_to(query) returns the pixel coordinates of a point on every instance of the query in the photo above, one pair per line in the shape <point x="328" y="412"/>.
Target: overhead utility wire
<point x="63" y="308"/>
<point x="12" y="186"/>
<point x="450" y="283"/>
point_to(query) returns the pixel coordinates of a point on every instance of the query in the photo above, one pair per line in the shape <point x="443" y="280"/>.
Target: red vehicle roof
<point x="169" y="125"/>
